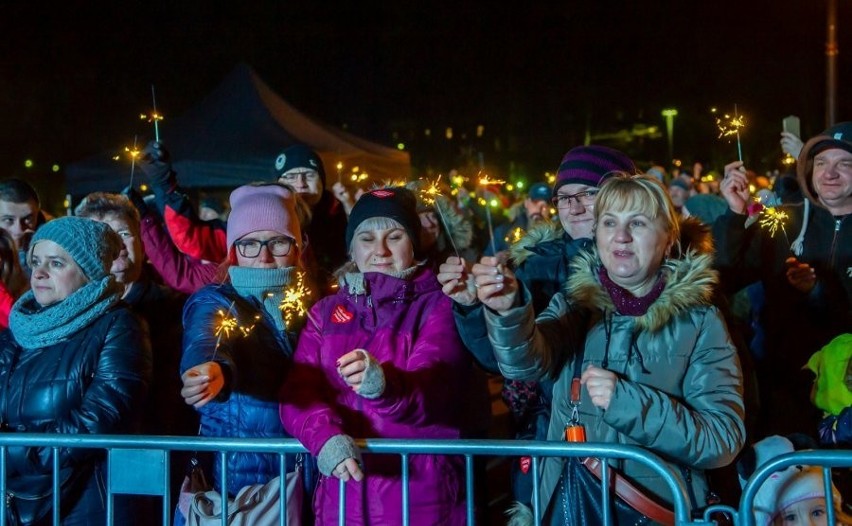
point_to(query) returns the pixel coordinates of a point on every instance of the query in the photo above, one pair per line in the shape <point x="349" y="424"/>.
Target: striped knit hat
<point x="590" y="164"/>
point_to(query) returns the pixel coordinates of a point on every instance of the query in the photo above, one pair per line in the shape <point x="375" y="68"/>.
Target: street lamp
<point x="670" y="114"/>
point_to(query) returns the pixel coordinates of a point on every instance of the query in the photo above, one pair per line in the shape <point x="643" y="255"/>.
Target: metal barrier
<point x="139" y="465"/>
<point x="827" y="459"/>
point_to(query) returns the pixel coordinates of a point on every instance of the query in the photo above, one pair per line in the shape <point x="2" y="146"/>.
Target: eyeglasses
<point x="277" y="246"/>
<point x="292" y="177"/>
<point x="586" y="198"/>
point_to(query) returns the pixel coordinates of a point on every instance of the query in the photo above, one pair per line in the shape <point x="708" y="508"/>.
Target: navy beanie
<point x="397" y="203"/>
<point x="91" y="244"/>
<point x="299" y="156"/>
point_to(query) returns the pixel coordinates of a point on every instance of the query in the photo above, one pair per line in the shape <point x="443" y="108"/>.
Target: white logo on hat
<point x="280" y="161"/>
<point x="849" y="271"/>
<point x="313" y="163"/>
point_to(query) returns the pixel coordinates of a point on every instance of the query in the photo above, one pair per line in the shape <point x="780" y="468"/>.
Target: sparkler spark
<point x="133" y="153"/>
<point x="293" y="303"/>
<point x="772" y="219"/>
<point x="515" y="235"/>
<point x="731" y="125"/>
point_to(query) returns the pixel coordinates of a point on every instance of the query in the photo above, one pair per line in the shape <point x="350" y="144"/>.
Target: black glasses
<point x="586" y="198"/>
<point x="277" y="246"/>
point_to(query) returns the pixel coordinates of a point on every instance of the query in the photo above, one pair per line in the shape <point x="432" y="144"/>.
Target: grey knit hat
<point x="93" y="245"/>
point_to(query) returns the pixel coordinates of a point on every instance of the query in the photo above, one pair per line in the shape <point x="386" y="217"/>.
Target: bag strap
<point x="630" y="494"/>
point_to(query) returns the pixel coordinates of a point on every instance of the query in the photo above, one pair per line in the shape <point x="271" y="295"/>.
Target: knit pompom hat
<point x="396" y="203"/>
<point x="91" y="244"/>
<point x="590" y="164"/>
<point x="299" y="156"/>
<point x="256" y="207"/>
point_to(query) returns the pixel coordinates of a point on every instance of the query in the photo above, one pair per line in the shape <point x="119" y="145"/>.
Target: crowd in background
<point x="707" y="315"/>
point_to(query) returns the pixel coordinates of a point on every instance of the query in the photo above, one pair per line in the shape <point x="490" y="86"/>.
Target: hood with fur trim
<point x="542" y="232"/>
<point x="690" y="279"/>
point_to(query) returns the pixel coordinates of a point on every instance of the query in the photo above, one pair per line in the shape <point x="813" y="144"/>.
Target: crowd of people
<point x="695" y="329"/>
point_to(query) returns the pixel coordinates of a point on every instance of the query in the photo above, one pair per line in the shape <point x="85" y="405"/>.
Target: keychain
<point x="574" y="430"/>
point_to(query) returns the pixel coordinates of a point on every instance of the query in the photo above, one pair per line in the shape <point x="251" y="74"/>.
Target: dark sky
<point x="538" y="75"/>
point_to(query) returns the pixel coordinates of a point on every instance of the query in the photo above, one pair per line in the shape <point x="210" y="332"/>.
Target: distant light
<point x="480" y="130"/>
<point x="551" y="178"/>
<point x="28" y="163"/>
<point x="400" y="146"/>
<point x="427" y="132"/>
<point x="494" y="203"/>
<point x="448" y="133"/>
<point x="66" y="203"/>
<point x="339" y="165"/>
<point x="510" y="187"/>
<point x="520" y="184"/>
<point x="752" y="188"/>
<point x="677" y="162"/>
<point x="143" y="187"/>
<point x="54" y="168"/>
<point x="669" y="112"/>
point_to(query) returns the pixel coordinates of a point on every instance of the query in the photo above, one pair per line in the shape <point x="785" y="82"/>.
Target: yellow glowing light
<point x="486" y="181"/>
<point x="494" y="203"/>
<point x="339" y="166"/>
<point x="226" y="325"/>
<point x="515" y="235"/>
<point x="458" y="180"/>
<point x="151" y="117"/>
<point x="54" y="168"/>
<point x="28" y="163"/>
<point x="771" y="218"/>
<point x="143" y="187"/>
<point x="293" y="303"/>
<point x="729" y="125"/>
<point x="430" y="192"/>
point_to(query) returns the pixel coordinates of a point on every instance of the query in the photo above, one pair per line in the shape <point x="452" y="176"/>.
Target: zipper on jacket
<point x="837" y="223"/>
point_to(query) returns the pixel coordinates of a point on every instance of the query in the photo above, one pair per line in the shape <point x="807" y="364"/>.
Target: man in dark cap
<point x="805" y="268"/>
<point x="302" y="169"/>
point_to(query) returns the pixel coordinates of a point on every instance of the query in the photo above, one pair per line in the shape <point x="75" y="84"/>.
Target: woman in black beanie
<point x="74" y="360"/>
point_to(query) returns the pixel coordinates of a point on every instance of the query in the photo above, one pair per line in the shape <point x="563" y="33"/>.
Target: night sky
<point x="538" y="75"/>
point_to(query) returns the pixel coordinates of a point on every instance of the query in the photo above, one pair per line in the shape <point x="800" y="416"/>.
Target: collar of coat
<point x="690" y="280"/>
<point x="543" y="232"/>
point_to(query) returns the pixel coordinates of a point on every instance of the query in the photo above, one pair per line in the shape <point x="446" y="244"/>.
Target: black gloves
<point x="137" y="200"/>
<point x="155" y="163"/>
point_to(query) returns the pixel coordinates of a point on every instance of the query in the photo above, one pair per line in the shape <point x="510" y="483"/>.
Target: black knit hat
<point x="396" y="203"/>
<point x="299" y="156"/>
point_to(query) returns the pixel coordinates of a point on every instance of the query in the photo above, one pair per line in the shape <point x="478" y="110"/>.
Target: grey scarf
<point x="35" y="326"/>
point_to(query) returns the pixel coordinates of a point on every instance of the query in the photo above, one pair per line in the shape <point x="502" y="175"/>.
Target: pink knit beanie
<point x="263" y="207"/>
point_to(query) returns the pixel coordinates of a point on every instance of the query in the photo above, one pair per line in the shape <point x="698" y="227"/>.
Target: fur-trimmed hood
<point x="690" y="279"/>
<point x="542" y="232"/>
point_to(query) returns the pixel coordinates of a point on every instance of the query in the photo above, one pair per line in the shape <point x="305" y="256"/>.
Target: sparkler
<point x="429" y="195"/>
<point x="154" y="117"/>
<point x="228" y="324"/>
<point x="515" y="235"/>
<point x="729" y="125"/>
<point x="486" y="182"/>
<point x="134" y="153"/>
<point x="293" y="303"/>
<point x="772" y="219"/>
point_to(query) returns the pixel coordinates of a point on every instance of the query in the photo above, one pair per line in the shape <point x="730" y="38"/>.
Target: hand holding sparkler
<point x="734" y="187"/>
<point x="800" y="276"/>
<point x="202" y="383"/>
<point x="156" y="164"/>
<point x="496" y="286"/>
<point x="457" y="282"/>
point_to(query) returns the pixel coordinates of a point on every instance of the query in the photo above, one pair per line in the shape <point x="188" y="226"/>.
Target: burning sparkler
<point x="729" y="125"/>
<point x="430" y="195"/>
<point x="485" y="182"/>
<point x="133" y="153"/>
<point x="293" y="303"/>
<point x="154" y="117"/>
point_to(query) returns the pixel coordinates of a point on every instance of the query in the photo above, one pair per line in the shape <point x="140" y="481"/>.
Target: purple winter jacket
<point x="407" y="325"/>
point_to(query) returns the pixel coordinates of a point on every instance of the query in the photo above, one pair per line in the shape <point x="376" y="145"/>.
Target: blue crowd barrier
<point x="139" y="465"/>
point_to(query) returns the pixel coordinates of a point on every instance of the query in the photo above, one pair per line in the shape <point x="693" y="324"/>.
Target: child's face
<point x="805" y="512"/>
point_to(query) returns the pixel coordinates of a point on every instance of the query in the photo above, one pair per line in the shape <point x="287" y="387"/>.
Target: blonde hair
<point x="639" y="192"/>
